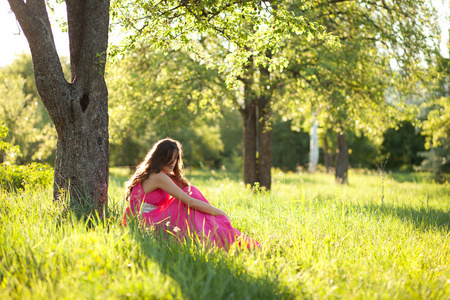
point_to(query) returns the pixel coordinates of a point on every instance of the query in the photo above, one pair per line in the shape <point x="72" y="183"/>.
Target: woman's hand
<point x="226" y="216"/>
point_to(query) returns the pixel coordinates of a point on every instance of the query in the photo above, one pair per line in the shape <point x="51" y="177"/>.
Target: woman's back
<point x="155" y="197"/>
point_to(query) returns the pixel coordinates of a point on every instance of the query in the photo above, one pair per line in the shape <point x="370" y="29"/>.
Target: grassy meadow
<point x="380" y="237"/>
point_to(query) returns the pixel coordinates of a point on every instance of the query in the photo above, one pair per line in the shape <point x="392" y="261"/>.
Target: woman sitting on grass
<point x="161" y="197"/>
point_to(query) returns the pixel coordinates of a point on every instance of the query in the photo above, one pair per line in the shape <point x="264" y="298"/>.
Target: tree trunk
<point x="326" y="155"/>
<point x="313" y="147"/>
<point x="341" y="159"/>
<point x="265" y="147"/>
<point x="256" y="114"/>
<point x="249" y="144"/>
<point x="248" y="113"/>
<point x="78" y="109"/>
<point x="264" y="130"/>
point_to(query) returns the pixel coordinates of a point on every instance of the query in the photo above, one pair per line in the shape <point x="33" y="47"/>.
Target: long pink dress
<point x="161" y="210"/>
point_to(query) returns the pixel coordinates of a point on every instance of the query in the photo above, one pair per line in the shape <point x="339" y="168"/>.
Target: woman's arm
<point x="162" y="181"/>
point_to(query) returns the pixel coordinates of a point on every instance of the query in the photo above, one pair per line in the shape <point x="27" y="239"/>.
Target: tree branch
<point x="33" y="19"/>
<point x="87" y="21"/>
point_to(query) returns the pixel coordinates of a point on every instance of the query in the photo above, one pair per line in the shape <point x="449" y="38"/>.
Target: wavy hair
<point x="160" y="155"/>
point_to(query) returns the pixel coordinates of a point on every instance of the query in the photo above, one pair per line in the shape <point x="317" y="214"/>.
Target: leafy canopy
<point x="366" y="84"/>
<point x="246" y="27"/>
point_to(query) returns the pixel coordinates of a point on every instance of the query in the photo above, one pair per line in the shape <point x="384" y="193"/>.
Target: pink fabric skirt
<point x="177" y="218"/>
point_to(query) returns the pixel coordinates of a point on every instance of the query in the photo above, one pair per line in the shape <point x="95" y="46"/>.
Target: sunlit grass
<point x="380" y="237"/>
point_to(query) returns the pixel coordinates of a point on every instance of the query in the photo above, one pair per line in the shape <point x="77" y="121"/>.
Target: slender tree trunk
<point x="78" y="109"/>
<point x="341" y="159"/>
<point x="326" y="155"/>
<point x="313" y="147"/>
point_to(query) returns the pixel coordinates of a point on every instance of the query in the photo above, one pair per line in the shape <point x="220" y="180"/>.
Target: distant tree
<point x="31" y="128"/>
<point x="350" y="84"/>
<point x="290" y="148"/>
<point x="436" y="126"/>
<point x="402" y="146"/>
<point x="364" y="152"/>
<point x="6" y="147"/>
<point x="155" y="94"/>
<point x="17" y="112"/>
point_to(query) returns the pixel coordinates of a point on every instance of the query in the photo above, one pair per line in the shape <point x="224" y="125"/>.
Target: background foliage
<point x="167" y="80"/>
<point x="148" y="103"/>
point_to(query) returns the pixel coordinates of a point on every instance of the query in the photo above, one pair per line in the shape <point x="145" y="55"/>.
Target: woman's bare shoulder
<point x="154" y="179"/>
<point x="152" y="182"/>
<point x="157" y="176"/>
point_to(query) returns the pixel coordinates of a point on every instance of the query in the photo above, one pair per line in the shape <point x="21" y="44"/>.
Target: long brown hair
<point x="160" y="155"/>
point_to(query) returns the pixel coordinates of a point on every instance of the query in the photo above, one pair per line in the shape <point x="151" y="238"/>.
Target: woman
<point x="160" y="196"/>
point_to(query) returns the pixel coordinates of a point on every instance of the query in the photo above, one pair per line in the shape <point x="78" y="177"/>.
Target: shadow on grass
<point x="203" y="274"/>
<point x="423" y="218"/>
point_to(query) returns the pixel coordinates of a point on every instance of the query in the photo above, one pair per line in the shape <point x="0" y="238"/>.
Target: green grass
<point x="378" y="238"/>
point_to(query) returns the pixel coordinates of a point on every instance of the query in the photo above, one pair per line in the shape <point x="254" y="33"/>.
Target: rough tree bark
<point x="248" y="113"/>
<point x="78" y="109"/>
<point x="265" y="145"/>
<point x="341" y="159"/>
<point x="264" y="130"/>
<point x="257" y="131"/>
